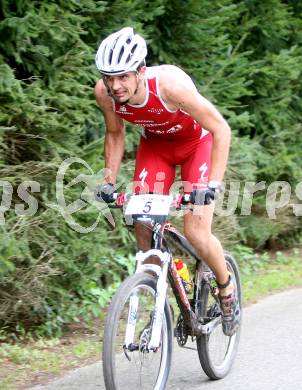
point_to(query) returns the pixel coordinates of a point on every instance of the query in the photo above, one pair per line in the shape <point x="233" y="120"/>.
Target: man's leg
<point x="143" y="233"/>
<point x="197" y="227"/>
<point x="198" y="231"/>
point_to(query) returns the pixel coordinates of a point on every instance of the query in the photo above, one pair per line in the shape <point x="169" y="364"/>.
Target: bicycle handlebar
<point x="120" y="198"/>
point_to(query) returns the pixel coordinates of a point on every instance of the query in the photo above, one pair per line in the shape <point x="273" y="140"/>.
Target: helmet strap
<point x="137" y="83"/>
<point x="107" y="87"/>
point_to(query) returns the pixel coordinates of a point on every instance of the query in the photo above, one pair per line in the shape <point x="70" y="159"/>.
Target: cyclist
<point x="180" y="127"/>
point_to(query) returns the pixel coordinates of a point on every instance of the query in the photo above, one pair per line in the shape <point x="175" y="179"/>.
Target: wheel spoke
<point x="134" y="366"/>
<point x="216" y="350"/>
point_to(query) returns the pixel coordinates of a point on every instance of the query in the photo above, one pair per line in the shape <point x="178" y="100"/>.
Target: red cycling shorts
<point x="156" y="162"/>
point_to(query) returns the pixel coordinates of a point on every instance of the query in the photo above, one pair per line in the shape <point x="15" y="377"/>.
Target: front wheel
<point x="217" y="351"/>
<point x="136" y="367"/>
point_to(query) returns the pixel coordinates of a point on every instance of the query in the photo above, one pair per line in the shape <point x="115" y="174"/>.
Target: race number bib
<point x="150" y="204"/>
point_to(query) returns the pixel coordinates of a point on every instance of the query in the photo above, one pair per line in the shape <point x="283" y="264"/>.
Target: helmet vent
<point x="110" y="56"/>
<point x="134" y="48"/>
<point x="121" y="54"/>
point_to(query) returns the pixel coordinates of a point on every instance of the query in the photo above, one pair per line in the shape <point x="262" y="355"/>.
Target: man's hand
<point x="205" y="196"/>
<point x="104" y="192"/>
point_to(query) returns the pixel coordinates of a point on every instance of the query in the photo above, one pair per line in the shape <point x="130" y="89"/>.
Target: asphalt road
<point x="269" y="357"/>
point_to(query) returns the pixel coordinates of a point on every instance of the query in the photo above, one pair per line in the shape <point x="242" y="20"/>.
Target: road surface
<point x="269" y="357"/>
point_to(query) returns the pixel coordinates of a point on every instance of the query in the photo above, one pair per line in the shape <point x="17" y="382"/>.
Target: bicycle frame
<point x="141" y="301"/>
<point x="143" y="346"/>
<point x="167" y="271"/>
<point x="203" y="275"/>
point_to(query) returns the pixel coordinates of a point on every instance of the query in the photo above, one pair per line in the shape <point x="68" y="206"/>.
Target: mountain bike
<point x="139" y="330"/>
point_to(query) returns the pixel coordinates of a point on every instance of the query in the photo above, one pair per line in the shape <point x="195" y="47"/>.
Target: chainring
<point x="180" y="331"/>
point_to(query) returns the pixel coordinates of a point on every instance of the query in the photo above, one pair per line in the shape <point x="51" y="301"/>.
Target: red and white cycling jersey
<point x="156" y="118"/>
<point x="170" y="138"/>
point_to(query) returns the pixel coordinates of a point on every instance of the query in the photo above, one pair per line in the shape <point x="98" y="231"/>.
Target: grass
<point x="265" y="274"/>
<point x="271" y="281"/>
<point x="32" y="362"/>
<point x="29" y="363"/>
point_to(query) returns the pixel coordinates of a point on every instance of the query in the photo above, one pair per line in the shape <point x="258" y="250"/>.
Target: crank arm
<point x="211" y="325"/>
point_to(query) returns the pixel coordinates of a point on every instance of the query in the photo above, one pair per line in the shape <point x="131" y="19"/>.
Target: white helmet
<point x="121" y="52"/>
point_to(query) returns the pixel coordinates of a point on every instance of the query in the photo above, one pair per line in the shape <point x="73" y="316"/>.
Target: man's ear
<point x="142" y="72"/>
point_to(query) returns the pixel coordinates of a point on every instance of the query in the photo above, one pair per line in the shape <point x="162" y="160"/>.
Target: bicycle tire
<point x="217" y="359"/>
<point x="118" y="371"/>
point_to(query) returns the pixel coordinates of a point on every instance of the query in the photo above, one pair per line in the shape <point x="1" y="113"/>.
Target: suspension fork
<point x="161" y="292"/>
<point x="131" y="322"/>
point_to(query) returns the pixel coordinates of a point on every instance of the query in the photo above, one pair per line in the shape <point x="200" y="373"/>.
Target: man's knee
<point x="197" y="234"/>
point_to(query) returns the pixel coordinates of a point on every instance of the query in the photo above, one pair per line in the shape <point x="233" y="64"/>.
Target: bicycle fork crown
<point x="141" y="256"/>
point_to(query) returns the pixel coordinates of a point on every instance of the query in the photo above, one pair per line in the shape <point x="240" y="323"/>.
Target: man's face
<point x="122" y="87"/>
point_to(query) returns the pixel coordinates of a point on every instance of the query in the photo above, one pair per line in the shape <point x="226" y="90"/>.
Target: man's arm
<point x="115" y="132"/>
<point x="181" y="93"/>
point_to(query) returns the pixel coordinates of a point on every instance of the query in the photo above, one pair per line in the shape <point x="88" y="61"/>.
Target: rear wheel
<point x="217" y="351"/>
<point x="136" y="367"/>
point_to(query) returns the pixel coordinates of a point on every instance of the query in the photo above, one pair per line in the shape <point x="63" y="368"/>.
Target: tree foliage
<point x="244" y="55"/>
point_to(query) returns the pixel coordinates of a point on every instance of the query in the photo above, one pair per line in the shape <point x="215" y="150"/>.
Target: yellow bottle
<point x="184" y="274"/>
